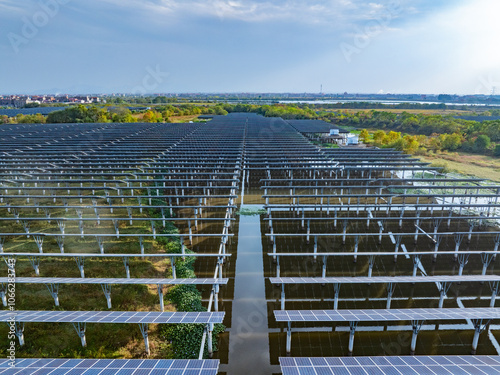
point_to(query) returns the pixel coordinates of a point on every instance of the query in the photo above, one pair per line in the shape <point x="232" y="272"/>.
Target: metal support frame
<point x="39" y="243"/>
<point x="289" y="338"/>
<point x="3" y="293"/>
<point x="494" y="292"/>
<point x="100" y="243"/>
<point x="19" y="326"/>
<point x="126" y="263"/>
<point x="60" y="242"/>
<point x="54" y="292"/>
<point x="371" y="263"/>
<point x="352" y="331"/>
<point x="479" y="327"/>
<point x="282" y="296"/>
<point x="336" y="289"/>
<point x="416" y="262"/>
<point x="416" y="327"/>
<point x="144" y="331"/>
<point x="443" y="290"/>
<point x="463" y="259"/>
<point x="390" y="291"/>
<point x="80" y="329"/>
<point x="210" y="329"/>
<point x="437" y="242"/>
<point x="172" y="264"/>
<point x="160" y="295"/>
<point x="35" y="263"/>
<point x="80" y="262"/>
<point x="458" y="240"/>
<point x="106" y="288"/>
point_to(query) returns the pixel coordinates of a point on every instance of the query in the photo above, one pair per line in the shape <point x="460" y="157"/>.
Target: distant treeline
<point x="435" y="132"/>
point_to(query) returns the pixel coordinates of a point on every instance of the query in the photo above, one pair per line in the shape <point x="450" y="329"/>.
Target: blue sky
<point x="150" y="46"/>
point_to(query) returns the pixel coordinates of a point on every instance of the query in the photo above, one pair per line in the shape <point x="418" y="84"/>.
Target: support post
<point x="390" y="292"/>
<point x="479" y="327"/>
<point x="283" y="296"/>
<point x="352" y="330"/>
<point x="416" y="326"/>
<point x="494" y="291"/>
<point x="126" y="263"/>
<point x="106" y="288"/>
<point x="54" y="292"/>
<point x="80" y="262"/>
<point x="336" y="288"/>
<point x="20" y="332"/>
<point x="443" y="290"/>
<point x="160" y="295"/>
<point x="35" y="263"/>
<point x="289" y="338"/>
<point x="144" y="331"/>
<point x="80" y="329"/>
<point x="210" y="329"/>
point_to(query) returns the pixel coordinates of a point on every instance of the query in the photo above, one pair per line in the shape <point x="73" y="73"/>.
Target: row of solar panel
<point x="111" y="317"/>
<point x="455" y="365"/>
<point x="385" y="315"/>
<point x="109" y="367"/>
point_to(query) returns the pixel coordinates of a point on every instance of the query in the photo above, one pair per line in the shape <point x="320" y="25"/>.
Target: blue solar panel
<point x="76" y="280"/>
<point x="455" y="365"/>
<point x="112" y="316"/>
<point x="110" y="367"/>
<point x="385" y="315"/>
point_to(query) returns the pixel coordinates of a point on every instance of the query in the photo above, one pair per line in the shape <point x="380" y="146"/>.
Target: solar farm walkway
<point x="249" y="342"/>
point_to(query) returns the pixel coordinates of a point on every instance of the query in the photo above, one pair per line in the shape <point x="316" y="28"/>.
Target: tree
<point x="152" y="116"/>
<point x="364" y="135"/>
<point x="378" y="136"/>
<point x="497" y="150"/>
<point x="451" y="142"/>
<point x="482" y="143"/>
<point x="411" y="144"/>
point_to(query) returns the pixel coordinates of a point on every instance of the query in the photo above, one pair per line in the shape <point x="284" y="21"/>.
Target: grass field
<point x="469" y="164"/>
<point x="103" y="340"/>
<point x="413" y="111"/>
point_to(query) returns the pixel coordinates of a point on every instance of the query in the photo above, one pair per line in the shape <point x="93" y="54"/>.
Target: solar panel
<point x="111" y="366"/>
<point x="77" y="280"/>
<point x="385" y="315"/>
<point x="450" y="365"/>
<point x="112" y="317"/>
<point x="382" y="279"/>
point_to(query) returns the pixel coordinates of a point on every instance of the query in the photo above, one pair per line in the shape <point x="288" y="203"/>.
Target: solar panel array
<point x="384" y="279"/>
<point x="438" y="365"/>
<point x="119" y="184"/>
<point x="137" y="281"/>
<point x="62" y="182"/>
<point x="148" y="317"/>
<point x="110" y="367"/>
<point x="394" y="315"/>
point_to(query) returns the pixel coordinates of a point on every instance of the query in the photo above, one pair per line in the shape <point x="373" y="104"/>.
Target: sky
<point x="179" y="46"/>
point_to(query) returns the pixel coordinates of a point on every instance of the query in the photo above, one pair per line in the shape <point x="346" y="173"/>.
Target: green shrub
<point x="185" y="338"/>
